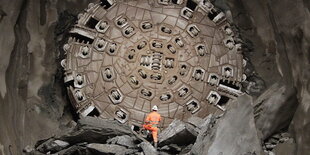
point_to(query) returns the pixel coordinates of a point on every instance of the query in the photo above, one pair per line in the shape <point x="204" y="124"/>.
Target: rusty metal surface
<point x="124" y="57"/>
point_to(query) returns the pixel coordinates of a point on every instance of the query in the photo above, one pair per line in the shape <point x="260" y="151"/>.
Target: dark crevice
<point x="191" y="4"/>
<point x="229" y="84"/>
<point x="212" y="15"/>
<point x="81" y="38"/>
<point x="91" y="23"/>
<point x="65" y="22"/>
<point x="105" y="4"/>
<point x="94" y="112"/>
<point x="43" y="12"/>
<point x="223" y="101"/>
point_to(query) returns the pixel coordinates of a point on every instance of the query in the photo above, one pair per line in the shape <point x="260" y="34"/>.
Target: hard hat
<point x="155" y="108"/>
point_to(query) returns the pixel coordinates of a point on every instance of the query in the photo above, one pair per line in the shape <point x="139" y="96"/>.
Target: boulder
<point x="206" y="129"/>
<point x="286" y="148"/>
<point x="275" y="108"/>
<point x="148" y="148"/>
<point x="87" y="130"/>
<point x="233" y="134"/>
<point x="186" y="150"/>
<point x="171" y="149"/>
<point x="96" y="148"/>
<point x="78" y="149"/>
<point x="195" y="121"/>
<point x="52" y="146"/>
<point x="28" y="149"/>
<point x="178" y="133"/>
<point x="125" y="140"/>
<point x="163" y="153"/>
<point x="95" y="130"/>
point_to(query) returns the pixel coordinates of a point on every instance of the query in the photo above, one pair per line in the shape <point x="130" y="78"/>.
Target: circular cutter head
<point x="124" y="57"/>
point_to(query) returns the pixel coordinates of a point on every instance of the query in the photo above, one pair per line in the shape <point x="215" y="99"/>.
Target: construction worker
<point x="151" y="123"/>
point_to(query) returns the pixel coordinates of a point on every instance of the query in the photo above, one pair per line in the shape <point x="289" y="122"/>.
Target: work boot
<point x="155" y="145"/>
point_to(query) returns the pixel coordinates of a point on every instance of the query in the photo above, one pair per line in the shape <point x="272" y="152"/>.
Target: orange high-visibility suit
<point x="151" y="122"/>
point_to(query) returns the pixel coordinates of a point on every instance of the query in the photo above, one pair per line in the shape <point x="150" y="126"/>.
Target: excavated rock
<point x="178" y="133"/>
<point x="195" y="121"/>
<point x="28" y="149"/>
<point x="95" y="130"/>
<point x="163" y="153"/>
<point x="125" y="140"/>
<point x="171" y="149"/>
<point x="233" y="134"/>
<point x="199" y="123"/>
<point x="88" y="130"/>
<point x="280" y="143"/>
<point x="148" y="148"/>
<point x="284" y="44"/>
<point x="109" y="149"/>
<point x="52" y="146"/>
<point x="275" y="108"/>
<point x="78" y="149"/>
<point x="285" y="148"/>
<point x="203" y="127"/>
<point x="186" y="150"/>
<point x="197" y="148"/>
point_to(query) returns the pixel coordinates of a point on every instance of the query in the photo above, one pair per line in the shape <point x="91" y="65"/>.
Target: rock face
<point x="280" y="51"/>
<point x="234" y="134"/>
<point x="275" y="108"/>
<point x="33" y="104"/>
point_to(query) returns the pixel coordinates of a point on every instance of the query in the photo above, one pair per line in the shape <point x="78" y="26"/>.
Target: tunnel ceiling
<point x="123" y="57"/>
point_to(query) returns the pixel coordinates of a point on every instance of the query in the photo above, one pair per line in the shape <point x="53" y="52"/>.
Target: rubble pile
<point x="280" y="143"/>
<point x="97" y="136"/>
<point x="233" y="132"/>
<point x="91" y="136"/>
